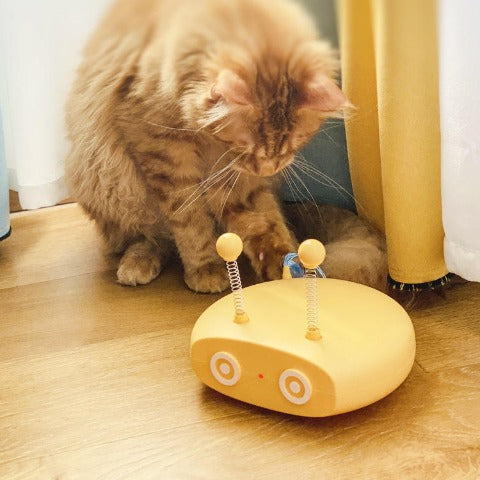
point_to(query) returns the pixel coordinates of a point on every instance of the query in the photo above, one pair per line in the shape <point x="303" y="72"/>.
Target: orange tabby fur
<point x="182" y="113"/>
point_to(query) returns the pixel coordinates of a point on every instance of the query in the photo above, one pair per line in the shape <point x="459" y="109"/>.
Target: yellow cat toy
<point x="305" y="346"/>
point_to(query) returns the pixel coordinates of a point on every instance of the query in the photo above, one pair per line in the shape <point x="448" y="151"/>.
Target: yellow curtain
<point x="390" y="75"/>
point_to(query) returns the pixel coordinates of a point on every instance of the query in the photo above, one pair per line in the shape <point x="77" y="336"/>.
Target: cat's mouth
<point x="263" y="168"/>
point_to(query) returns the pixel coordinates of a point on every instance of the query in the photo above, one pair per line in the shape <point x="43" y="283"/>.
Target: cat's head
<point x="268" y="109"/>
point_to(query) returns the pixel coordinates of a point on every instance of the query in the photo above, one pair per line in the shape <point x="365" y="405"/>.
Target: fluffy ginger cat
<point x="182" y="114"/>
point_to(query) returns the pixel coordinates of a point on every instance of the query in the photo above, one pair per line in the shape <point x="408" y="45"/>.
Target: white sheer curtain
<point x="40" y="45"/>
<point x="459" y="41"/>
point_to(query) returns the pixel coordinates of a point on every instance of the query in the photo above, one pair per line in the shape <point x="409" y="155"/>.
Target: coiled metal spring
<point x="312" y="299"/>
<point x="236" y="285"/>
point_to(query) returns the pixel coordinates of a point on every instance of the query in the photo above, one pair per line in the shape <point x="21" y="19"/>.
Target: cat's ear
<point x="323" y="95"/>
<point x="231" y="89"/>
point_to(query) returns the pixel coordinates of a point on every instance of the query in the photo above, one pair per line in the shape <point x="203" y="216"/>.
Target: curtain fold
<point x="459" y="38"/>
<point x="358" y="62"/>
<point x="390" y="74"/>
<point x="40" y="44"/>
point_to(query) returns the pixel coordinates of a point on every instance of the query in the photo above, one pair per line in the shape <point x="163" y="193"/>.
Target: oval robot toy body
<point x="362" y="347"/>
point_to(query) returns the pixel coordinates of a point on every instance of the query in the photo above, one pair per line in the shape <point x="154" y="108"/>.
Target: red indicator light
<point x="260" y="375"/>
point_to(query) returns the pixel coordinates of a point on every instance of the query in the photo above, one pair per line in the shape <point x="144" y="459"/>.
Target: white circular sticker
<point x="295" y="386"/>
<point x="225" y="368"/>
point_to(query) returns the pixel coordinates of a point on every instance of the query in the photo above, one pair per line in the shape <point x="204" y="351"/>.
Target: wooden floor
<point x="95" y="382"/>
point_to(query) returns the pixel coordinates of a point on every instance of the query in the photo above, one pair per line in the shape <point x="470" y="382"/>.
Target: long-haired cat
<point x="182" y="114"/>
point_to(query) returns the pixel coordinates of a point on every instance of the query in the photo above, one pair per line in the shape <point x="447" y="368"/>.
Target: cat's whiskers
<point x="198" y="193"/>
<point x="166" y="127"/>
<point x="224" y="203"/>
<point x="313" y="173"/>
<point x="204" y="186"/>
<point x="232" y="162"/>
<point x="221" y="157"/>
<point x="324" y="179"/>
<point x="304" y="168"/>
<point x="327" y="126"/>
<point x="293" y="187"/>
<point x="208" y="183"/>
<point x="217" y="113"/>
<point x="221" y="127"/>
<point x="228" y="180"/>
<point x="222" y="186"/>
<point x="325" y="132"/>
<point x="304" y="185"/>
<point x="211" y="173"/>
<point x="296" y="197"/>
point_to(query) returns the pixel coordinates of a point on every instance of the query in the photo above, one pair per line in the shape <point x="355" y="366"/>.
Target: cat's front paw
<point x="134" y="271"/>
<point x="209" y="278"/>
<point x="267" y="253"/>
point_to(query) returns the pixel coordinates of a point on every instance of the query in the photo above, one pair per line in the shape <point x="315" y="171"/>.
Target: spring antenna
<point x="311" y="254"/>
<point x="312" y="300"/>
<point x="229" y="247"/>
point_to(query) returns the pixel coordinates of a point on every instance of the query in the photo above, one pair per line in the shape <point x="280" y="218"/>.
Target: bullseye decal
<point x="295" y="386"/>
<point x="225" y="368"/>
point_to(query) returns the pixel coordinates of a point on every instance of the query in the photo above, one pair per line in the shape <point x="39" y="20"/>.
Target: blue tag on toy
<point x="292" y="268"/>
